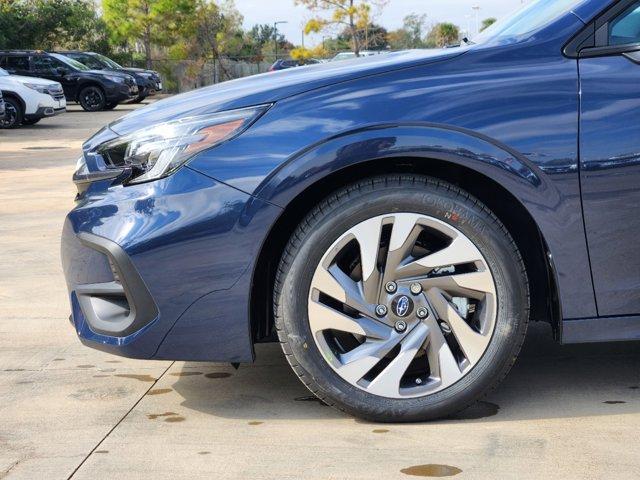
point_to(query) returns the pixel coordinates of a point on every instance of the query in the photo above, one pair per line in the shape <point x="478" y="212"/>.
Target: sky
<point x="459" y="12"/>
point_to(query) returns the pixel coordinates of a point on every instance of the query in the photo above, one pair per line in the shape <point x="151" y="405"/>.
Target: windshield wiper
<point x="466" y="41"/>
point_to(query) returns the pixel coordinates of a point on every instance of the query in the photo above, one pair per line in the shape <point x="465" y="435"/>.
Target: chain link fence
<point x="184" y="75"/>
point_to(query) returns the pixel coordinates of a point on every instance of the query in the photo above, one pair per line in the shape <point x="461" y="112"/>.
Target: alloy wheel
<point x="11" y="116"/>
<point x="402" y="305"/>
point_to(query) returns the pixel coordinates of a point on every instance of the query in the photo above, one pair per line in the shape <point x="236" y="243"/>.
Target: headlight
<point x="38" y="88"/>
<point x="158" y="151"/>
<point x="115" y="79"/>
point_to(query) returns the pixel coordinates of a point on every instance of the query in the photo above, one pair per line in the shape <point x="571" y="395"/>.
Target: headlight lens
<point x="38" y="88"/>
<point x="158" y="151"/>
<point x="115" y="79"/>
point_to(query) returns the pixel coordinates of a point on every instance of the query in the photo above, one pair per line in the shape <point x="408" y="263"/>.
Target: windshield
<point x="3" y="73"/>
<point x="108" y="61"/>
<point x="71" y="62"/>
<point x="526" y="20"/>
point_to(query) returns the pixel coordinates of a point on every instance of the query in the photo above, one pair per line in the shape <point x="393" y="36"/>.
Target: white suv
<point x="29" y="99"/>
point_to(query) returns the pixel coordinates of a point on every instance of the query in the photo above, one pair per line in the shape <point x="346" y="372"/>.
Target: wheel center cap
<point x="402" y="306"/>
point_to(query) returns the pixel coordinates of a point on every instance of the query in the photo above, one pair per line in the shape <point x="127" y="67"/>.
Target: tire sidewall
<point x="19" y="113"/>
<point x="98" y="108"/>
<point x="448" y="206"/>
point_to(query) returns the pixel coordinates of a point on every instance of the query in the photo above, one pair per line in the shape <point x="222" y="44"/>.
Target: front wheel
<point x="92" y="99"/>
<point x="401" y="298"/>
<point x="14" y="115"/>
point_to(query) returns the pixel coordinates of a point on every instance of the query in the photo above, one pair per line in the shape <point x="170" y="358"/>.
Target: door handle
<point x="633" y="56"/>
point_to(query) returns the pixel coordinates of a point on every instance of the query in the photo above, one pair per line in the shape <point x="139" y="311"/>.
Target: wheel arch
<point x="88" y="83"/>
<point x="10" y="94"/>
<point x="545" y="303"/>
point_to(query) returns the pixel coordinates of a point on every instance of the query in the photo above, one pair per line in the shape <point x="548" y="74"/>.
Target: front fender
<point x="429" y="142"/>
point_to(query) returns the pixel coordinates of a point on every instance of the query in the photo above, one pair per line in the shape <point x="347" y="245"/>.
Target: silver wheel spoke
<point x="322" y="317"/>
<point x="358" y="362"/>
<point x="444" y="366"/>
<point x="404" y="234"/>
<point x="460" y="251"/>
<point x="368" y="236"/>
<point x="473" y="344"/>
<point x="338" y="285"/>
<point x="388" y="381"/>
<point x="472" y="285"/>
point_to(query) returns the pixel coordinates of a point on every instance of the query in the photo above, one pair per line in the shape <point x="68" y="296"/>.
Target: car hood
<point x="274" y="86"/>
<point x="136" y="70"/>
<point x="102" y="73"/>
<point x="31" y="80"/>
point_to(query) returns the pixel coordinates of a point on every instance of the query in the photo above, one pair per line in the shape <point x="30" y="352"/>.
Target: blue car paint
<point x="610" y="173"/>
<point x="508" y="111"/>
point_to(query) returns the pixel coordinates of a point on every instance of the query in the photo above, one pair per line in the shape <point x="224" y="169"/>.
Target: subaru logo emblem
<point x="402" y="306"/>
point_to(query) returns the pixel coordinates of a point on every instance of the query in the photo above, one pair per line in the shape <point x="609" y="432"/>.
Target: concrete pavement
<point x="68" y="411"/>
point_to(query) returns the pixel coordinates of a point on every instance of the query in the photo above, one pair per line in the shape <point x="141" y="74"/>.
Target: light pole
<point x="275" y="35"/>
<point x="476" y="8"/>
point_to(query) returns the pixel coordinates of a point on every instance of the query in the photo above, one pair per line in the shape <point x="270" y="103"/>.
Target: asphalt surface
<point x="67" y="411"/>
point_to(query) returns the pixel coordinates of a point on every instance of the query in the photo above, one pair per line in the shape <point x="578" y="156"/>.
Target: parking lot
<point x="71" y="412"/>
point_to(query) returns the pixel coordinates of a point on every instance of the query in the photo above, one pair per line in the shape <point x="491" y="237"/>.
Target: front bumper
<point x="44" y="112"/>
<point x="118" y="93"/>
<point x="163" y="269"/>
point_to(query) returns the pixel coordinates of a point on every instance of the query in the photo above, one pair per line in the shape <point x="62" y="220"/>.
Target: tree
<point x="443" y="34"/>
<point x="487" y="22"/>
<point x="372" y="37"/>
<point x="50" y="24"/>
<point x="354" y="15"/>
<point x="410" y="35"/>
<point x="152" y="22"/>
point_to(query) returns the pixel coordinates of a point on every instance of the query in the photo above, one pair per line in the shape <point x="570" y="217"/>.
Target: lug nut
<point x="400" y="326"/>
<point x="422" y="312"/>
<point x="416" y="288"/>
<point x="418" y="381"/>
<point x="381" y="310"/>
<point x="391" y="287"/>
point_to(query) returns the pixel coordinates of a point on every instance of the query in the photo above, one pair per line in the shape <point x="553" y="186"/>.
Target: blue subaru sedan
<point x="395" y="222"/>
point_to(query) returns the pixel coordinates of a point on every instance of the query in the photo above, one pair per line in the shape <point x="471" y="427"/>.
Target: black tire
<point x="30" y="121"/>
<point x="139" y="99"/>
<point x="92" y="99"/>
<point x="14" y="115"/>
<point x="380" y="196"/>
<point x="110" y="106"/>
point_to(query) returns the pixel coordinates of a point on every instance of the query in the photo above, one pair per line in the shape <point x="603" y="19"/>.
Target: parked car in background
<point x="2" y="108"/>
<point x="94" y="90"/>
<point x="148" y="81"/>
<point x="28" y="100"/>
<point x="285" y="64"/>
<point x="352" y="55"/>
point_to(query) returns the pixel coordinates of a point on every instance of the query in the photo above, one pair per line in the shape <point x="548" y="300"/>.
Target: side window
<point x="17" y="63"/>
<point x="626" y="28"/>
<point x="42" y="64"/>
<point x="46" y="65"/>
<point x="88" y="60"/>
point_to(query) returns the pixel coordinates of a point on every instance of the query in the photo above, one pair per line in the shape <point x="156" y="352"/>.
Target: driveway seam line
<point x="119" y="422"/>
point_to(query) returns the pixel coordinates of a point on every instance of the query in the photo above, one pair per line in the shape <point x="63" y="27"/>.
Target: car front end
<point x="50" y="101"/>
<point x="118" y="87"/>
<point x="139" y="209"/>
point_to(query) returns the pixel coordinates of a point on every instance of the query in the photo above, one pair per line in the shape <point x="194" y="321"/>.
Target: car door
<point x="609" y="66"/>
<point x="53" y="69"/>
